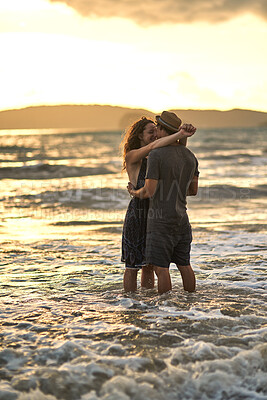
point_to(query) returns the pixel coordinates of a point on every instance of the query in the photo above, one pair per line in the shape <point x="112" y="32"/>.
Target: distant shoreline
<point x="115" y="118"/>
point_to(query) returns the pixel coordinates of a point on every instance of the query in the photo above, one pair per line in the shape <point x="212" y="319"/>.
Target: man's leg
<point x="130" y="280"/>
<point x="164" y="279"/>
<point x="147" y="277"/>
<point x="188" y="277"/>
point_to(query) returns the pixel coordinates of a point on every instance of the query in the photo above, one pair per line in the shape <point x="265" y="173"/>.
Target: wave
<point x="118" y="199"/>
<point x="97" y="198"/>
<point x="87" y="223"/>
<point x="229" y="192"/>
<point x="16" y="149"/>
<point x="48" y="171"/>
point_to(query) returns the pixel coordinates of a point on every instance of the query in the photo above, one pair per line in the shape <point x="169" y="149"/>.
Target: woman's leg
<point x="130" y="279"/>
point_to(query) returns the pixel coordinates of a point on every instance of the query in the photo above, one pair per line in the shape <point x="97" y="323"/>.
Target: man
<point x="172" y="174"/>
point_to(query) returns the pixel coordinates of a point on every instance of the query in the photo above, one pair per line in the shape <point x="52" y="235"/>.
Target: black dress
<point x="134" y="227"/>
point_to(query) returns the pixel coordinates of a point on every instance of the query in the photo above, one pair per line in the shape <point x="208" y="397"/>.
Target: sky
<point x="152" y="54"/>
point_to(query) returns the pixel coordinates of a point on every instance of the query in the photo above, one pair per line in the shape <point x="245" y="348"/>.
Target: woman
<point x="139" y="140"/>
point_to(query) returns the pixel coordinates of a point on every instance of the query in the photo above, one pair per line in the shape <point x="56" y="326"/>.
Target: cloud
<point x="152" y="12"/>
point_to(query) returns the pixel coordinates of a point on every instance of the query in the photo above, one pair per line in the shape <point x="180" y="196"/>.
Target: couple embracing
<point x="162" y="171"/>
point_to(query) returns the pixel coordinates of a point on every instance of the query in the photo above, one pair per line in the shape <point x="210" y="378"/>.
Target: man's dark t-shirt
<point x="174" y="167"/>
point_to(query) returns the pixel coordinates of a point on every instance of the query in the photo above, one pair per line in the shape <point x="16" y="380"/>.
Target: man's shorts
<point x="167" y="247"/>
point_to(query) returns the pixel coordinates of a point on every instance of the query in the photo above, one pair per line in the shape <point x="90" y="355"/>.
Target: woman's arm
<point x="188" y="128"/>
<point x="136" y="155"/>
<point x="183" y="141"/>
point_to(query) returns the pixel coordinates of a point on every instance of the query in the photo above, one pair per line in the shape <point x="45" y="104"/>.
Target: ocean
<point x="68" y="331"/>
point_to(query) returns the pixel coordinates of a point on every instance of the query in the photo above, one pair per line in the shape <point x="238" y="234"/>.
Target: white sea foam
<point x="68" y="331"/>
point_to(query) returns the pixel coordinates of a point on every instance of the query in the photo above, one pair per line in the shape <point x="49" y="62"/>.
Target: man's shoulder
<point x="188" y="150"/>
<point x="160" y="150"/>
<point x="156" y="153"/>
<point x="170" y="148"/>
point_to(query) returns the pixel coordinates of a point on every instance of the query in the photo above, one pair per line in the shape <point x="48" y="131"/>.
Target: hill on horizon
<point x="105" y="117"/>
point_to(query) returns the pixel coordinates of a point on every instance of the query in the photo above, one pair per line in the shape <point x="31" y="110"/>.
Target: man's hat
<point x="169" y="120"/>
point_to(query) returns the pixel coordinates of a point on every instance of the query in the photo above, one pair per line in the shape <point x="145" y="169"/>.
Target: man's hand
<point x="187" y="130"/>
<point x="144" y="192"/>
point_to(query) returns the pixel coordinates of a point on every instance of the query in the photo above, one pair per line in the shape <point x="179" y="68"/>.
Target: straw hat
<point x="169" y="120"/>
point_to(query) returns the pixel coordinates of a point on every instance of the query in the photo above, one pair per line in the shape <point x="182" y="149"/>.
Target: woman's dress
<point x="134" y="227"/>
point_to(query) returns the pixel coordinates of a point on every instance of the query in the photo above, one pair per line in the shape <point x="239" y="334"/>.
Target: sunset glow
<point x="51" y="54"/>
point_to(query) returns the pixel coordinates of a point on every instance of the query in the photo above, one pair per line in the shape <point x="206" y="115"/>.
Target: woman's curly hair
<point x="131" y="138"/>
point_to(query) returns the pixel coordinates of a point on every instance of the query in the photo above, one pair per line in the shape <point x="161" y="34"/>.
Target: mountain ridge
<point x="107" y="117"/>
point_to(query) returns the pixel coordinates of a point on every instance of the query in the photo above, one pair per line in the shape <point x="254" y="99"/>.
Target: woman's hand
<point x="130" y="188"/>
<point x="187" y="130"/>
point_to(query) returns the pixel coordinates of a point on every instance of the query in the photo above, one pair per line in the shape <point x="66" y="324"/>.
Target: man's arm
<point x="193" y="187"/>
<point x="146" y="191"/>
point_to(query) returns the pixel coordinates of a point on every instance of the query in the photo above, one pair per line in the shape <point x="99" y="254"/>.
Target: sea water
<point x="68" y="330"/>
